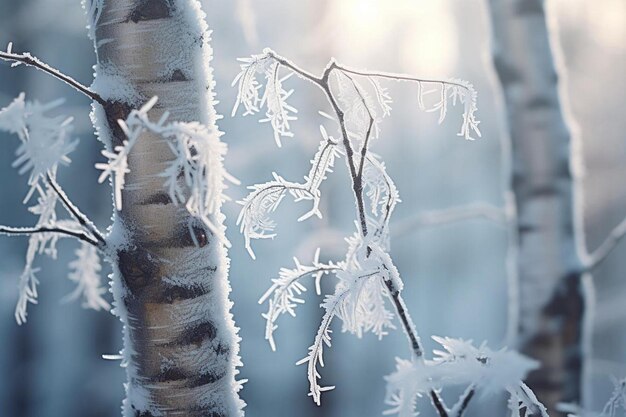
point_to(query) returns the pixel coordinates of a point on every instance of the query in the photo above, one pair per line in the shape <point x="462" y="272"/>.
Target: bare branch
<point x="75" y="212"/>
<point x="27" y="59"/>
<point x="17" y="231"/>
<point x="602" y="252"/>
<point x="479" y="210"/>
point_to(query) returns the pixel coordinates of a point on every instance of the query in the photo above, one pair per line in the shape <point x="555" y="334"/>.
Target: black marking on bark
<point x="222" y="349"/>
<point x="116" y="110"/>
<point x="158" y="198"/>
<point x="208" y="378"/>
<point x="137" y="268"/>
<point x="171" y="374"/>
<point x="178" y="75"/>
<point x="197" y="334"/>
<point x="184" y="238"/>
<point x="139" y="413"/>
<point x="171" y="294"/>
<point x="151" y="10"/>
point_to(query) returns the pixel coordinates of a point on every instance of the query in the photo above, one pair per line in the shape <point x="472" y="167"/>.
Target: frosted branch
<point x="75" y="212"/>
<point x="603" y="251"/>
<point x="29" y="60"/>
<point x="478" y="210"/>
<point x="21" y="231"/>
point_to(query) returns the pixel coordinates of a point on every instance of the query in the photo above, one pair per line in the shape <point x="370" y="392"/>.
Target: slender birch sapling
<point x="368" y="285"/>
<point x="166" y="245"/>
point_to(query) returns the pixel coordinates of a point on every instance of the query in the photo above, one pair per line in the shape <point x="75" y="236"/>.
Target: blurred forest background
<point x="455" y="275"/>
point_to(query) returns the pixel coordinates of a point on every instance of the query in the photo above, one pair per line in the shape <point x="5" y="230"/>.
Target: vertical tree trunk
<point x="550" y="271"/>
<point x="170" y="288"/>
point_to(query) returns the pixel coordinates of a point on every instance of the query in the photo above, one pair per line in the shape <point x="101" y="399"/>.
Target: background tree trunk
<point x="170" y="288"/>
<point x="550" y="271"/>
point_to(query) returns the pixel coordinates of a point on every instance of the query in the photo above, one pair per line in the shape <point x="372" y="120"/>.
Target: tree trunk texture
<point x="170" y="288"/>
<point x="550" y="270"/>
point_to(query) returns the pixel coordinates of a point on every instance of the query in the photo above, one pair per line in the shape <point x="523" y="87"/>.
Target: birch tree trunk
<point x="170" y="281"/>
<point x="550" y="271"/>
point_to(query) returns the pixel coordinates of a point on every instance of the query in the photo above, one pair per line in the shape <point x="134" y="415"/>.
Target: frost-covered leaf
<point x="286" y="290"/>
<point x="459" y="91"/>
<point x="279" y="113"/>
<point x="248" y="86"/>
<point x="85" y="272"/>
<point x="383" y="196"/>
<point x="254" y="219"/>
<point x="45" y="141"/>
<point x="39" y="243"/>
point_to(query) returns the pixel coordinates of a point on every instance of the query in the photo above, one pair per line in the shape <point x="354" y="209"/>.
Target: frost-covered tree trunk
<point x="170" y="281"/>
<point x="550" y="270"/>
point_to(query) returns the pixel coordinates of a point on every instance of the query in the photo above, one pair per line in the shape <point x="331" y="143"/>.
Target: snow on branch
<point x="254" y="219"/>
<point x="487" y="372"/>
<point x="29" y="60"/>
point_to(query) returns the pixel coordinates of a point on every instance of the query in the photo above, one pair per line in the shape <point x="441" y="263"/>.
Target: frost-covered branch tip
<point x="278" y="112"/>
<point x="29" y="60"/>
<point x="254" y="219"/>
<point x="286" y="290"/>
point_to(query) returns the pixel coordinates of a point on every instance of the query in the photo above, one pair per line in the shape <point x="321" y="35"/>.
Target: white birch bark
<point x="550" y="270"/>
<point x="170" y="288"/>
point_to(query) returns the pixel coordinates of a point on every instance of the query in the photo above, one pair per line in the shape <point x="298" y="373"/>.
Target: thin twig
<point x="397" y="77"/>
<point x="368" y="133"/>
<point x="75" y="212"/>
<point x="27" y="59"/>
<point x="478" y="210"/>
<point x="299" y="71"/>
<point x="461" y="406"/>
<point x="603" y="251"/>
<point x="16" y="231"/>
<point x="438" y="404"/>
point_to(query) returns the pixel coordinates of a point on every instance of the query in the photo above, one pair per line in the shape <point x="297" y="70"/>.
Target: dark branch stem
<point x="368" y="133"/>
<point x="75" y="212"/>
<point x="438" y="404"/>
<point x="16" y="231"/>
<point x="28" y="59"/>
<point x="464" y="401"/>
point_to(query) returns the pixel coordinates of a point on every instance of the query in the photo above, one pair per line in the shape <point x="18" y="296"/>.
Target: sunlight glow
<point x="419" y="35"/>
